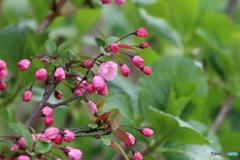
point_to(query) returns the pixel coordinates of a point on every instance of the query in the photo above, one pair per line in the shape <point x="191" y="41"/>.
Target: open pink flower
<point x="137" y="156"/>
<point x="24" y="64"/>
<point x="27" y="96"/>
<point x="93" y="106"/>
<point x="137" y="61"/>
<point x="120" y="2"/>
<point x="108" y="70"/>
<point x="2" y="65"/>
<point x="68" y="135"/>
<point x="147" y="132"/>
<point x="74" y="154"/>
<point x="51" y="133"/>
<point x="41" y="74"/>
<point x="47" y="111"/>
<point x="98" y="83"/>
<point x="141" y="32"/>
<point x="125" y="70"/>
<point x="60" y="74"/>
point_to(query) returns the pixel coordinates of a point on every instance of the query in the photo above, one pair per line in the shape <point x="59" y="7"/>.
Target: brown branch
<point x="93" y="134"/>
<point x="226" y="107"/>
<point x="63" y="102"/>
<point x="231" y="6"/>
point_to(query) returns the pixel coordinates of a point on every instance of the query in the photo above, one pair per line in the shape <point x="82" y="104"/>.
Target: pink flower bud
<point x="106" y="1"/>
<point x="68" y="135"/>
<point x="58" y="95"/>
<point x="51" y="133"/>
<point x="48" y="121"/>
<point x="90" y="88"/>
<point x="103" y="92"/>
<point x="146" y="70"/>
<point x="111" y="145"/>
<point x="143" y="45"/>
<point x="114" y="48"/>
<point x="22" y="142"/>
<point x="75" y="154"/>
<point x="137" y="156"/>
<point x="3" y="86"/>
<point x="45" y="60"/>
<point x="14" y="147"/>
<point x="93" y="107"/>
<point x="98" y="83"/>
<point x="23" y="157"/>
<point x="79" y="92"/>
<point x="58" y="140"/>
<point x="2" y="65"/>
<point x="60" y="74"/>
<point x="125" y="70"/>
<point x="142" y="32"/>
<point x="24" y="64"/>
<point x="137" y="61"/>
<point x="3" y="74"/>
<point x="41" y="74"/>
<point x="108" y="70"/>
<point x="120" y="2"/>
<point x="27" y="96"/>
<point x="47" y="111"/>
<point x="132" y="140"/>
<point x="42" y="137"/>
<point x="88" y="64"/>
<point x="147" y="132"/>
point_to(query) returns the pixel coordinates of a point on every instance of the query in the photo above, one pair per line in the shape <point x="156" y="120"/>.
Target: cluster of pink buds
<point x="47" y="113"/>
<point x="119" y="2"/>
<point x="3" y="74"/>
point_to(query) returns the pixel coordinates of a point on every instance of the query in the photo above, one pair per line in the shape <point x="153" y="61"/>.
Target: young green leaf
<point x="106" y="140"/>
<point x="17" y="129"/>
<point x="50" y="47"/>
<point x="43" y="146"/>
<point x="99" y="42"/>
<point x="64" y="47"/>
<point x="120" y="150"/>
<point x="28" y="139"/>
<point x="55" y="62"/>
<point x="104" y="37"/>
<point x="112" y="39"/>
<point x="76" y="73"/>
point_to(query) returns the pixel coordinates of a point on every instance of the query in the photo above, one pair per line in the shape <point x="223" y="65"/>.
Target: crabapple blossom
<point x="14" y="147"/>
<point x="137" y="61"/>
<point x="114" y="48"/>
<point x="98" y="83"/>
<point x="48" y="121"/>
<point x="90" y="88"/>
<point x="106" y="1"/>
<point x="58" y="95"/>
<point x="75" y="154"/>
<point x="125" y="70"/>
<point x="3" y="74"/>
<point x="93" y="106"/>
<point x="108" y="70"/>
<point x="51" y="133"/>
<point x="42" y="137"/>
<point x="143" y="45"/>
<point x="141" y="32"/>
<point x="47" y="111"/>
<point x="79" y="92"/>
<point x="131" y="138"/>
<point x="27" y="96"/>
<point x="103" y="92"/>
<point x="68" y="135"/>
<point x="120" y="2"/>
<point x="60" y="74"/>
<point x="88" y="64"/>
<point x="58" y="140"/>
<point x="2" y="65"/>
<point x="3" y="86"/>
<point x="146" y="70"/>
<point x="23" y="157"/>
<point x="137" y="156"/>
<point x="147" y="132"/>
<point x="41" y="74"/>
<point x="22" y="142"/>
<point x="24" y="64"/>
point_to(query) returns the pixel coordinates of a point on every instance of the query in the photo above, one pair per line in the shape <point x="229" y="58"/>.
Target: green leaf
<point x="37" y="62"/>
<point x="51" y="47"/>
<point x="6" y="143"/>
<point x="106" y="140"/>
<point x="102" y="50"/>
<point x="175" y="82"/>
<point x="64" y="47"/>
<point x="104" y="37"/>
<point x="28" y="139"/>
<point x="55" y="62"/>
<point x="120" y="150"/>
<point x="115" y="122"/>
<point x="18" y="129"/>
<point x="99" y="42"/>
<point x="172" y="128"/>
<point x="76" y="73"/>
<point x="175" y="150"/>
<point x="112" y="39"/>
<point x="71" y="52"/>
<point x="43" y="146"/>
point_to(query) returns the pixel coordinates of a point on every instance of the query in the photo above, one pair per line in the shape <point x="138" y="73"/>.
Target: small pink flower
<point x="14" y="147"/>
<point x="137" y="61"/>
<point x="2" y="65"/>
<point x="79" y="92"/>
<point x="114" y="48"/>
<point x="60" y="74"/>
<point x="125" y="70"/>
<point x="132" y="140"/>
<point x="22" y="142"/>
<point x="3" y="86"/>
<point x="88" y="64"/>
<point x="98" y="83"/>
<point x="146" y="70"/>
<point x="137" y="156"/>
<point x="3" y="74"/>
<point x="48" y="121"/>
<point x="142" y="32"/>
<point x="27" y="96"/>
<point x="93" y="107"/>
<point x="143" y="45"/>
<point x="108" y="70"/>
<point x="47" y="111"/>
<point x="68" y="135"/>
<point x="58" y="140"/>
<point x="120" y="2"/>
<point x="90" y="88"/>
<point x="51" y="133"/>
<point x="147" y="132"/>
<point x="23" y="157"/>
<point x="106" y="1"/>
<point x="58" y="95"/>
<point x="75" y="154"/>
<point x="24" y="64"/>
<point x="41" y="74"/>
<point x="103" y="92"/>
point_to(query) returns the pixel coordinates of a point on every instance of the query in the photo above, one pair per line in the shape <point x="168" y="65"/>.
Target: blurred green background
<point x="194" y="52"/>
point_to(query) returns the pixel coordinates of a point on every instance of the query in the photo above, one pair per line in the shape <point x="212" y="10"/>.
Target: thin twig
<point x="226" y="107"/>
<point x="93" y="134"/>
<point x="63" y="102"/>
